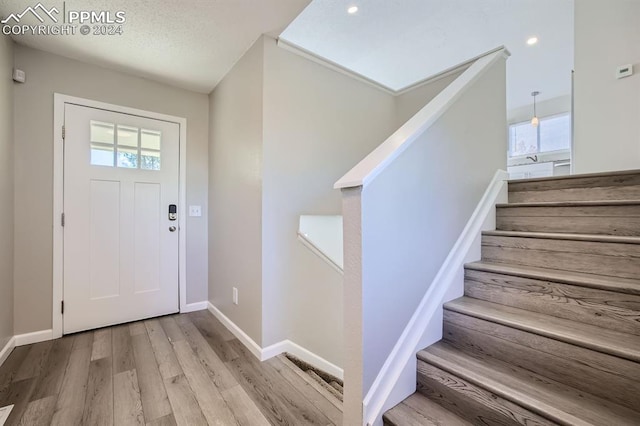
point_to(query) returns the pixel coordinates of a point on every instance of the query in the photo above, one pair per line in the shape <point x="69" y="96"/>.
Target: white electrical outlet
<point x="235" y="295"/>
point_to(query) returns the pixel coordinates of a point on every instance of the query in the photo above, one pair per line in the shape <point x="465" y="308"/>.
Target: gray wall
<point x="235" y="193"/>
<point x="46" y="74"/>
<point x="6" y="190"/>
<point x="410" y="102"/>
<point x="607" y="110"/>
<point x="409" y="217"/>
<point x="318" y="123"/>
<point x="283" y="130"/>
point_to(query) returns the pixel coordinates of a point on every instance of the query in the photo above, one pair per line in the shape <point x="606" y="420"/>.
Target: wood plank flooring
<point x="176" y="370"/>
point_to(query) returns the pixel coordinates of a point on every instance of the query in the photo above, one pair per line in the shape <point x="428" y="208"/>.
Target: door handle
<point x="172" y="229"/>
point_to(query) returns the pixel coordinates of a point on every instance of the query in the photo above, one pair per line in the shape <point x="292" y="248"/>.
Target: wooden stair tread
<point x="564" y="236"/>
<point x="419" y="410"/>
<point x="588" y="336"/>
<point x="577" y="176"/>
<point x="591" y="203"/>
<point x="602" y="282"/>
<point x="549" y="399"/>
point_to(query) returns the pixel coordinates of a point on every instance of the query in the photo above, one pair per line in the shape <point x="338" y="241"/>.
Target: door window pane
<point x="150" y="160"/>
<point x="102" y="148"/>
<point x="128" y="158"/>
<point x="101" y="155"/>
<point x="102" y="132"/>
<point x="150" y="139"/>
<point x="127" y="136"/>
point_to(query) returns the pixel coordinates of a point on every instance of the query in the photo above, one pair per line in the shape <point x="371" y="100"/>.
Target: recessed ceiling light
<point x="352" y="10"/>
<point x="532" y="40"/>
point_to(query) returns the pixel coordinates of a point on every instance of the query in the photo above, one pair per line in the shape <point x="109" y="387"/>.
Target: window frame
<point x="116" y="147"/>
<point x="542" y="119"/>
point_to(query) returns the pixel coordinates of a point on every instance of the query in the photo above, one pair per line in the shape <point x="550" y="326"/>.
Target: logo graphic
<point x="34" y="11"/>
<point x="70" y="22"/>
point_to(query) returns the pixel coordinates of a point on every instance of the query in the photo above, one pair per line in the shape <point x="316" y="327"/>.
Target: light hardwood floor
<point x="182" y="369"/>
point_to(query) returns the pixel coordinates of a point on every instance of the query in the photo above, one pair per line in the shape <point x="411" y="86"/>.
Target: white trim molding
<point x="6" y="351"/>
<point x="334" y="66"/>
<point x="255" y="348"/>
<point x="308" y="244"/>
<point x="307" y="54"/>
<point x="425" y="326"/>
<point x="304" y="355"/>
<point x="196" y="306"/>
<point x="58" y="199"/>
<point x="264" y="354"/>
<point x="35" y="337"/>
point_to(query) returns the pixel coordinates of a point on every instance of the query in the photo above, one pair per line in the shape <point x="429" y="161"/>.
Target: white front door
<point x="120" y="238"/>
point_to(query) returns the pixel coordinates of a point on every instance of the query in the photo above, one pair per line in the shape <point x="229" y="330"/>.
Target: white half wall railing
<point x="413" y="210"/>
<point x="397" y="378"/>
<point x="322" y="234"/>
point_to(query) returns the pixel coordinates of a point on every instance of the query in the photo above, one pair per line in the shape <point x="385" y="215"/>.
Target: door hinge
<point x="62" y="219"/>
<point x="62" y="307"/>
<point x="64" y="133"/>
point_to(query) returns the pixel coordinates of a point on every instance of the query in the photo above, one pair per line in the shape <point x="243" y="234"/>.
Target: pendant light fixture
<point x="534" y="121"/>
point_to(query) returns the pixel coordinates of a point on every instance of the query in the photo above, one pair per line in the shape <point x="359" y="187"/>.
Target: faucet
<point x="534" y="158"/>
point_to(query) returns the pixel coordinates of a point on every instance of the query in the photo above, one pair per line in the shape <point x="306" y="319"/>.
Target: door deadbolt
<point x="173" y="212"/>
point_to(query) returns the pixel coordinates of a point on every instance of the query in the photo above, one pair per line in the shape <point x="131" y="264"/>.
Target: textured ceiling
<point x="188" y="43"/>
<point x="193" y="43"/>
<point x="399" y="42"/>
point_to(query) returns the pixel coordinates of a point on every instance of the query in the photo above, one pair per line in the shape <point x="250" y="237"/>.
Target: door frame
<point x="59" y="101"/>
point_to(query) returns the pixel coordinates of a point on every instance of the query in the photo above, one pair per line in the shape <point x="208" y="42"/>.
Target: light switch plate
<point x="195" y="211"/>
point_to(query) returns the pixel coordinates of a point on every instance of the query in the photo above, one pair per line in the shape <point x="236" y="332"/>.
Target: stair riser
<point x="617" y="187"/>
<point x="602" y="258"/>
<point x="472" y="402"/>
<point x="603" y="375"/>
<point x="607" y="309"/>
<point x="603" y="220"/>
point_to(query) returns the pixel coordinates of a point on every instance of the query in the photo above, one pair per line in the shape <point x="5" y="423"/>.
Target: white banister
<point x="425" y="326"/>
<point x="412" y="214"/>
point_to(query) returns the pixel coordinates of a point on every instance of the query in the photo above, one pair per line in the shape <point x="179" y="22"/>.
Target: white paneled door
<point x="120" y="218"/>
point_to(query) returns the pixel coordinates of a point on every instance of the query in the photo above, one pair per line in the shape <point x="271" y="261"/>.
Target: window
<point x="553" y="134"/>
<point x="117" y="145"/>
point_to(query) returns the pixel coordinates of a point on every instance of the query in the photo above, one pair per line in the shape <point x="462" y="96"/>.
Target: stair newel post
<point x="353" y="306"/>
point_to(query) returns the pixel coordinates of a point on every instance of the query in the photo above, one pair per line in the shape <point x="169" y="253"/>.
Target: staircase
<point x="548" y="331"/>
